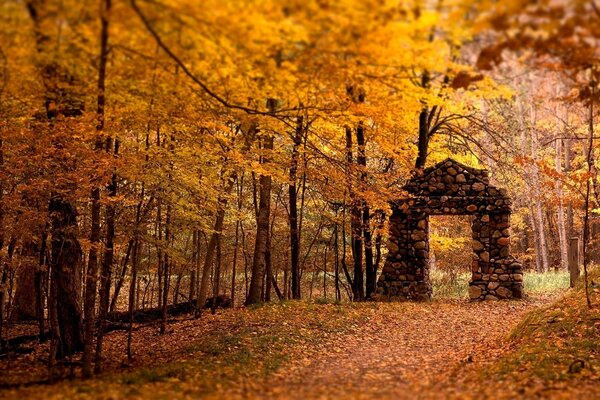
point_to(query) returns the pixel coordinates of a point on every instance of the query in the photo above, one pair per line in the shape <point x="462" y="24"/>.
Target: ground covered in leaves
<point x="446" y="348"/>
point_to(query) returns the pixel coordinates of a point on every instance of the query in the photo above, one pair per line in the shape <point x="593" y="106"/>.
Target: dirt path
<point x="403" y="351"/>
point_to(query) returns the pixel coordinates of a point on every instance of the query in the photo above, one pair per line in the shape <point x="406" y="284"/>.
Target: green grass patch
<point x="548" y="282"/>
<point x="452" y="285"/>
<point x="560" y="342"/>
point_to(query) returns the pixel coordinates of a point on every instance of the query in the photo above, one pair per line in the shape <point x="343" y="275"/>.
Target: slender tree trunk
<point x="262" y="230"/>
<point x="338" y="295"/>
<point x="132" y="287"/>
<point x="166" y="272"/>
<point x="209" y="257"/>
<point x="358" y="293"/>
<point x="92" y="275"/>
<point x="590" y="162"/>
<point x="366" y="214"/>
<point x="3" y="285"/>
<point x="121" y="280"/>
<point x="423" y="144"/>
<point x="195" y="255"/>
<point x="562" y="231"/>
<point x="39" y="279"/>
<point x="539" y="216"/>
<point x="293" y="212"/>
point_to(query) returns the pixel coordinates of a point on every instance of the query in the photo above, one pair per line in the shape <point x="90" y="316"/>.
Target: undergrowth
<point x="449" y="285"/>
<point x="559" y="342"/>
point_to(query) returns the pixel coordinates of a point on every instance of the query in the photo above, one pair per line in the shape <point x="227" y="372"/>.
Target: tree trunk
<point x="423" y="144"/>
<point x="23" y="308"/>
<point x="65" y="262"/>
<point x="358" y="293"/>
<point x="338" y="295"/>
<point x="538" y="208"/>
<point x="366" y="214"/>
<point x="573" y="261"/>
<point x="590" y="163"/>
<point x="65" y="268"/>
<point x="166" y="272"/>
<point x="132" y="286"/>
<point x="562" y="231"/>
<point x="293" y="214"/>
<point x="262" y="230"/>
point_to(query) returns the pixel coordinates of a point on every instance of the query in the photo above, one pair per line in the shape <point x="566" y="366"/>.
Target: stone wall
<point x="451" y="188"/>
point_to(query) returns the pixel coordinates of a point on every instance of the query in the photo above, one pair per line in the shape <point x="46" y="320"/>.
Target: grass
<point x="557" y="343"/>
<point x="455" y="286"/>
<point x="244" y="348"/>
<point x="536" y="282"/>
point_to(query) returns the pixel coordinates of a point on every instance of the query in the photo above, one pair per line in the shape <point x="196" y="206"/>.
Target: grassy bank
<point x="555" y="350"/>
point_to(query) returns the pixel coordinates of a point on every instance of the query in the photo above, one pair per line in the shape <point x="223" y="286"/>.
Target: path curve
<point x="407" y="351"/>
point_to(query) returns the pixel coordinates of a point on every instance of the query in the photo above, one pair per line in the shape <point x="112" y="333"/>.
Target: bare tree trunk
<point x="539" y="214"/>
<point x="358" y="291"/>
<point x="366" y="213"/>
<point x="66" y="277"/>
<point x="192" y="289"/>
<point x="338" y="295"/>
<point x="39" y="278"/>
<point x="3" y="285"/>
<point x="293" y="212"/>
<point x="166" y="272"/>
<point x="132" y="286"/>
<point x="262" y="230"/>
<point x="562" y="231"/>
<point x="590" y="163"/>
<point x="92" y="274"/>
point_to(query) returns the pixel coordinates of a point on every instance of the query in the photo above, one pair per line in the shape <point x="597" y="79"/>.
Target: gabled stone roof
<point x="451" y="178"/>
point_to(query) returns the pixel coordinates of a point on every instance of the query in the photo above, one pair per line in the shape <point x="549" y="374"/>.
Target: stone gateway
<point x="450" y="188"/>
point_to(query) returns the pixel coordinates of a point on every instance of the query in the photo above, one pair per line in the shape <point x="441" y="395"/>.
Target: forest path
<point x="404" y="350"/>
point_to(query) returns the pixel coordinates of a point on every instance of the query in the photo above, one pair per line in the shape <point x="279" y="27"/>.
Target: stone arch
<point x="450" y="188"/>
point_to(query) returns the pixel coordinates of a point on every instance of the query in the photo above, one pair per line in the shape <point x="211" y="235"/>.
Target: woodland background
<point x="162" y="153"/>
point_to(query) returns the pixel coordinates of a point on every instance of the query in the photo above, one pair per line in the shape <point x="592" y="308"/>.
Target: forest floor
<point x="302" y="350"/>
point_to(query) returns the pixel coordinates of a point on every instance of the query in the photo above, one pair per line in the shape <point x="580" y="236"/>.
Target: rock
<point x="491" y="297"/>
<point x="478" y="186"/>
<point x="451" y="171"/>
<point x="493" y="285"/>
<point x="477" y="245"/>
<point x="392" y="247"/>
<point x="474" y="292"/>
<point x="503" y="293"/>
<point x="485" y="256"/>
<point x="471" y="208"/>
<point x="504" y="277"/>
<point x="460" y="178"/>
<point x="422" y="224"/>
<point x="418" y="235"/>
<point x="420" y="245"/>
<point x="504" y="241"/>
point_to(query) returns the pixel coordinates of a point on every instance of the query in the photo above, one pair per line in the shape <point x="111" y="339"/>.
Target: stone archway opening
<point x="450" y="188"/>
<point x="450" y="255"/>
